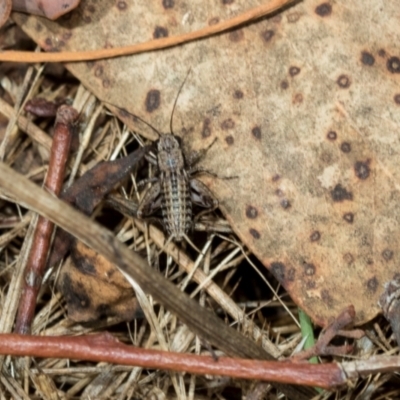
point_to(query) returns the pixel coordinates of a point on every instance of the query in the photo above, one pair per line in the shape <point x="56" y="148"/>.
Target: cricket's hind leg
<point x="201" y="196"/>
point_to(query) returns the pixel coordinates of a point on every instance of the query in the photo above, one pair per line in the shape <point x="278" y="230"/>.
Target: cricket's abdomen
<point x="176" y="205"/>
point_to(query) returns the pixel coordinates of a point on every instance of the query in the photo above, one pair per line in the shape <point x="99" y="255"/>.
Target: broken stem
<point x="66" y="116"/>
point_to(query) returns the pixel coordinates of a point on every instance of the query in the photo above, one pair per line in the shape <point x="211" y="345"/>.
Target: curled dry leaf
<point x="51" y="9"/>
<point x="306" y="106"/>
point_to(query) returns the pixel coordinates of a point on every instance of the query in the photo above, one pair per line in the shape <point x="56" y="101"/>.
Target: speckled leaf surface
<point x="306" y="109"/>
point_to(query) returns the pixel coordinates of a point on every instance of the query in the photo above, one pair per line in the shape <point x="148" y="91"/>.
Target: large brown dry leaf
<point x="306" y="107"/>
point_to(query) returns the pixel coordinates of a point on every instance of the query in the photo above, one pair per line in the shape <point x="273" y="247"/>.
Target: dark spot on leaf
<point x="67" y="35"/>
<point x="339" y="193"/>
<point x="382" y="53"/>
<point x="206" y="131"/>
<point x="349" y="217"/>
<point x="323" y="10"/>
<point x="74" y="294"/>
<point x="38" y="27"/>
<point x="278" y="269"/>
<point x="343" y="81"/>
<point x="372" y="284"/>
<point x="228" y="124"/>
<point x="87" y="19"/>
<point x="83" y="264"/>
<point x="315" y="236"/>
<point x="332" y="135"/>
<point x="168" y="4"/>
<point x="238" y="94"/>
<point x="236" y="35"/>
<point x="256" y="132"/>
<point x="348" y="258"/>
<point x="284" y="84"/>
<point x="298" y="98"/>
<point x="393" y="65"/>
<point x="291" y="274"/>
<point x="276" y="178"/>
<point x="267" y="35"/>
<point x="227" y="1"/>
<point x="345" y="147"/>
<point x="104" y="310"/>
<point x="251" y="212"/>
<point x="327" y="298"/>
<point x="254" y="233"/>
<point x="310" y="285"/>
<point x="293" y="71"/>
<point x="153" y="100"/>
<point x="279" y="192"/>
<point x="387" y="254"/>
<point x="48" y="42"/>
<point x="229" y="139"/>
<point x="293" y="17"/>
<point x="160" y="32"/>
<point x="367" y="58"/>
<point x="98" y="71"/>
<point x="106" y="83"/>
<point x="362" y="169"/>
<point x="309" y="269"/>
<point x="213" y="21"/>
<point x="91" y="8"/>
<point x="396" y="98"/>
<point x="285" y="204"/>
<point x="121" y="5"/>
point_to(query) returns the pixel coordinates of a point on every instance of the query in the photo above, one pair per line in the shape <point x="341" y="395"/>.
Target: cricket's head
<point x="169" y="151"/>
<point x="168" y="143"/>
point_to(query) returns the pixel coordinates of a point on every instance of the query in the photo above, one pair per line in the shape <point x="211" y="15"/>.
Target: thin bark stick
<point x="66" y="116"/>
<point x="69" y="56"/>
<point x="201" y="321"/>
<point x="105" y="348"/>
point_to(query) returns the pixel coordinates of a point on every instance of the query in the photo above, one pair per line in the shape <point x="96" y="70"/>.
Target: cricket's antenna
<point x="176" y="100"/>
<point x="148" y="124"/>
<point x="134" y="116"/>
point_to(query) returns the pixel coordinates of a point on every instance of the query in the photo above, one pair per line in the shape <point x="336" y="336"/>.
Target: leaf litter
<point x="331" y="241"/>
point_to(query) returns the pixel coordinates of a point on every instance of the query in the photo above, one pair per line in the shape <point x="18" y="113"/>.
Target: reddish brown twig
<point x="66" y="116"/>
<point x="106" y="348"/>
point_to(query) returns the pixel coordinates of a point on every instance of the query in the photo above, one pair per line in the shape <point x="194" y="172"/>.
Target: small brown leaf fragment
<point x="90" y="189"/>
<point x="94" y="288"/>
<point x="87" y="192"/>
